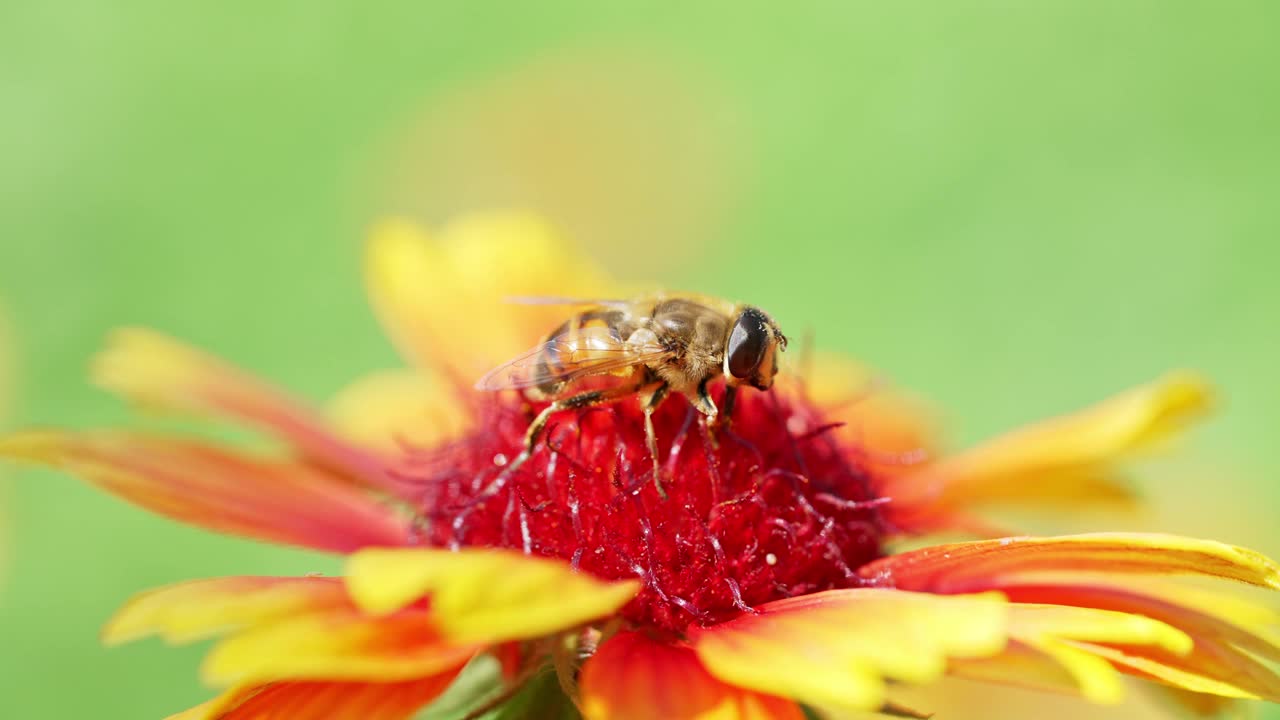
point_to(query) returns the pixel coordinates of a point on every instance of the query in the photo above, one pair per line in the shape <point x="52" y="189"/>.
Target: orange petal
<point x="1057" y="458"/>
<point x="1072" y="491"/>
<point x="389" y="410"/>
<point x="203" y="608"/>
<point x="158" y="371"/>
<point x="318" y="700"/>
<point x="894" y="432"/>
<point x="484" y="595"/>
<point x="835" y="649"/>
<point x="511" y="657"/>
<point x="218" y="489"/>
<point x="631" y="677"/>
<point x="987" y="564"/>
<point x="338" y="644"/>
<point x="444" y="300"/>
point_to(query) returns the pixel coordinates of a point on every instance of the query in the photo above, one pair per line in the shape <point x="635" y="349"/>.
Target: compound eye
<point x="747" y="344"/>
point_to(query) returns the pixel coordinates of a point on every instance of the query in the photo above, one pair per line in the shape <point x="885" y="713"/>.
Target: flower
<point x="767" y="580"/>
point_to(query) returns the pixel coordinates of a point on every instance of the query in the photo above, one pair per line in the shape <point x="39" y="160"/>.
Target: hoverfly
<point x="653" y="346"/>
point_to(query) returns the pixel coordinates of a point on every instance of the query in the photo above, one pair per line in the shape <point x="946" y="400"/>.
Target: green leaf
<point x="478" y="682"/>
<point x="541" y="697"/>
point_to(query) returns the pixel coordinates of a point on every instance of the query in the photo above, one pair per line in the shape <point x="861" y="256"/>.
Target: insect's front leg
<point x="650" y="404"/>
<point x="705" y="404"/>
<point x="726" y="413"/>
<point x="707" y="407"/>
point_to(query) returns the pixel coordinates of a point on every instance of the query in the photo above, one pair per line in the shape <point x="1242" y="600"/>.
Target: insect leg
<point x="707" y="406"/>
<point x="726" y="414"/>
<point x="704" y="403"/>
<point x="531" y="438"/>
<point x="573" y="402"/>
<point x="650" y="437"/>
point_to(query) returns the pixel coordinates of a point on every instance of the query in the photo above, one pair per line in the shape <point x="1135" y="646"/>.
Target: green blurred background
<point x="1015" y="208"/>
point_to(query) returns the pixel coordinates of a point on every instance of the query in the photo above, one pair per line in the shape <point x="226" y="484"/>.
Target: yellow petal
<point x="631" y="677"/>
<point x="339" y="644"/>
<point x="484" y="595"/>
<point x="218" y="489"/>
<point x="1046" y="457"/>
<point x="389" y="410"/>
<point x="320" y="700"/>
<point x="835" y="649"/>
<point x="161" y="372"/>
<point x="987" y="564"/>
<point x="203" y="608"/>
<point x="444" y="299"/>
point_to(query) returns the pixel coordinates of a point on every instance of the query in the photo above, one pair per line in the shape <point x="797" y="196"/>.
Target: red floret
<point x="771" y="507"/>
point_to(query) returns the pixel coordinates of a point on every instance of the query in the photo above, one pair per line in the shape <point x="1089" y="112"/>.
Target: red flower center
<point x="772" y="507"/>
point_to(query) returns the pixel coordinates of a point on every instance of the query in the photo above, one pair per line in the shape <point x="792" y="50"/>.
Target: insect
<point x="647" y="347"/>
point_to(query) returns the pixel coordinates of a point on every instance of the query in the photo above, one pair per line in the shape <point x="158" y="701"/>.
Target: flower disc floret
<point x="772" y="506"/>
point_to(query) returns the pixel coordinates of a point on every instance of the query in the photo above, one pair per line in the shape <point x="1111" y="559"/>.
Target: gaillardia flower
<point x="764" y="586"/>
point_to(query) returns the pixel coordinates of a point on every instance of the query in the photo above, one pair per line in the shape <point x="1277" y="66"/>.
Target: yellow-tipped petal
<point x="1081" y="650"/>
<point x="835" y="649"/>
<point x="631" y="677"/>
<point x="1096" y="680"/>
<point x="484" y="595"/>
<point x="1078" y="615"/>
<point x="157" y="370"/>
<point x="388" y="410"/>
<point x="1023" y="666"/>
<point x="1202" y="613"/>
<point x="1203" y="705"/>
<point x="987" y="564"/>
<point x="198" y="609"/>
<point x="1047" y="651"/>
<point x="1139" y="663"/>
<point x="161" y="372"/>
<point x="1038" y="463"/>
<point x="341" y="644"/>
<point x="320" y="700"/>
<point x="1031" y="622"/>
<point x="444" y="299"/>
<point x="204" y="485"/>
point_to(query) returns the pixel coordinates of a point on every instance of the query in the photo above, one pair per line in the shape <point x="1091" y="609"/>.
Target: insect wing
<point x="562" y="360"/>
